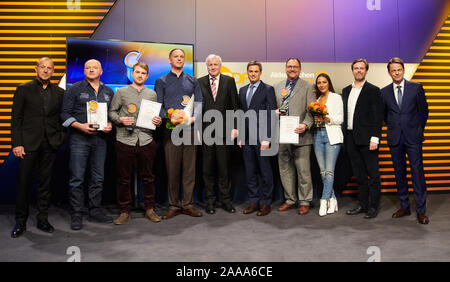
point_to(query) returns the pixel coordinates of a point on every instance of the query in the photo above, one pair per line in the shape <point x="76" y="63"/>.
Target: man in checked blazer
<point x="293" y="97"/>
<point x="219" y="93"/>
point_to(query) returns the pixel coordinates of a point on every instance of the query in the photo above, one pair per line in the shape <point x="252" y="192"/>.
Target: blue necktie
<point x="400" y="96"/>
<point x="286" y="99"/>
<point x="250" y="95"/>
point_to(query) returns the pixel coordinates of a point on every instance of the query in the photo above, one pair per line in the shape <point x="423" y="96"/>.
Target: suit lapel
<point x="221" y="87"/>
<point x="38" y="95"/>
<point x="255" y="95"/>
<point x="407" y="92"/>
<point x="207" y="85"/>
<point x="299" y="85"/>
<point x="391" y="97"/>
<point x="361" y="95"/>
<point x="243" y="97"/>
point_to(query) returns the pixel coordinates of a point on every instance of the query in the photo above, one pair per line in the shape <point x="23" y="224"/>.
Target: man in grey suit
<point x="293" y="97"/>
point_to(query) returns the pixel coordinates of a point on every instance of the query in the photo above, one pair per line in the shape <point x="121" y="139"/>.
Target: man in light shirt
<point x="134" y="143"/>
<point x="363" y="117"/>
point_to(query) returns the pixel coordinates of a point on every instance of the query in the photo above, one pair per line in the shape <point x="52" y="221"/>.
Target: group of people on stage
<point x="42" y="112"/>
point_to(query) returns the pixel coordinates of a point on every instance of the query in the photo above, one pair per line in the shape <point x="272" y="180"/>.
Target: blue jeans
<point x="86" y="150"/>
<point x="326" y="156"/>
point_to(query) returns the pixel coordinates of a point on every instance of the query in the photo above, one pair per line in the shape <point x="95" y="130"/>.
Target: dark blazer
<point x="263" y="99"/>
<point x="411" y="118"/>
<point x="30" y="122"/>
<point x="226" y="99"/>
<point x="368" y="116"/>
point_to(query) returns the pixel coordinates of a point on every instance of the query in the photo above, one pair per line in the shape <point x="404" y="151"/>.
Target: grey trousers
<point x="295" y="172"/>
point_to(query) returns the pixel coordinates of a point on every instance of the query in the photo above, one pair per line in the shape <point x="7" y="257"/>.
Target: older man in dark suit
<point x="405" y="110"/>
<point x="220" y="94"/>
<point x="37" y="134"/>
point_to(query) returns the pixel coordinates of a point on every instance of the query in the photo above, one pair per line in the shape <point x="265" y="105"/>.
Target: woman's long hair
<point x="330" y="84"/>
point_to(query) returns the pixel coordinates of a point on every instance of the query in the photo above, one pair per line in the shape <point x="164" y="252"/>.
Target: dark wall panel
<point x="113" y="25"/>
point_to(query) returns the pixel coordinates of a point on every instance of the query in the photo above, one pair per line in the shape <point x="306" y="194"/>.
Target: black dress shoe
<point x="229" y="208"/>
<point x="372" y="213"/>
<point x="210" y="209"/>
<point x="45" y="226"/>
<point x="76" y="222"/>
<point x="18" y="230"/>
<point x="100" y="218"/>
<point x="356" y="210"/>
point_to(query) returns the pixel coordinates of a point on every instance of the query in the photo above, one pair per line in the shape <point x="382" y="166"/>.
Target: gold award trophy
<point x="283" y="107"/>
<point x="93" y="106"/>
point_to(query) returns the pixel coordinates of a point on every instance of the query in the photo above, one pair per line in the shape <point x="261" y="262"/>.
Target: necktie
<point x="213" y="88"/>
<point x="286" y="99"/>
<point x="399" y="95"/>
<point x="250" y="95"/>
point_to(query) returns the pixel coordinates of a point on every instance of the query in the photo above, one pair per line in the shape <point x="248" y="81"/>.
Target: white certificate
<point x="147" y="112"/>
<point x="98" y="116"/>
<point x="190" y="106"/>
<point x="287" y="126"/>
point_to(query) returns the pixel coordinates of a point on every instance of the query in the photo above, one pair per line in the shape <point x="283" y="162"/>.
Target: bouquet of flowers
<point x="175" y="117"/>
<point x="318" y="109"/>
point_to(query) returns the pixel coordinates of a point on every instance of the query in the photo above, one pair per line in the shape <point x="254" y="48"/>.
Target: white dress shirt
<point x="351" y="104"/>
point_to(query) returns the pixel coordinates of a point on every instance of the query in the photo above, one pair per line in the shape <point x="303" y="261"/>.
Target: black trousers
<point x="216" y="167"/>
<point x="366" y="171"/>
<point x="38" y="162"/>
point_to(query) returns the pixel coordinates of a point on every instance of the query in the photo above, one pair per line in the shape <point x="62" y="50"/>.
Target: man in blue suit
<point x="257" y="96"/>
<point x="405" y="113"/>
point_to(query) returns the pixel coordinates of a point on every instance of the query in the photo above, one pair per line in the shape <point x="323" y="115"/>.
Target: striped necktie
<point x="213" y="88"/>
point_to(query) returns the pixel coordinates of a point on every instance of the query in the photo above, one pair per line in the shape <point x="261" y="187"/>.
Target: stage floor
<point x="278" y="237"/>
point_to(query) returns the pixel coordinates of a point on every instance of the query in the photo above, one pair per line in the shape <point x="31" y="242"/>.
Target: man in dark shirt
<point x="87" y="143"/>
<point x="36" y="136"/>
<point x="174" y="90"/>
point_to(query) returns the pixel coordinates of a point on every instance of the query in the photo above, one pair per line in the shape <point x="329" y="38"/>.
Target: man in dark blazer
<point x="257" y="96"/>
<point x="220" y="94"/>
<point x="405" y="110"/>
<point x="37" y="134"/>
<point x="363" y="118"/>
